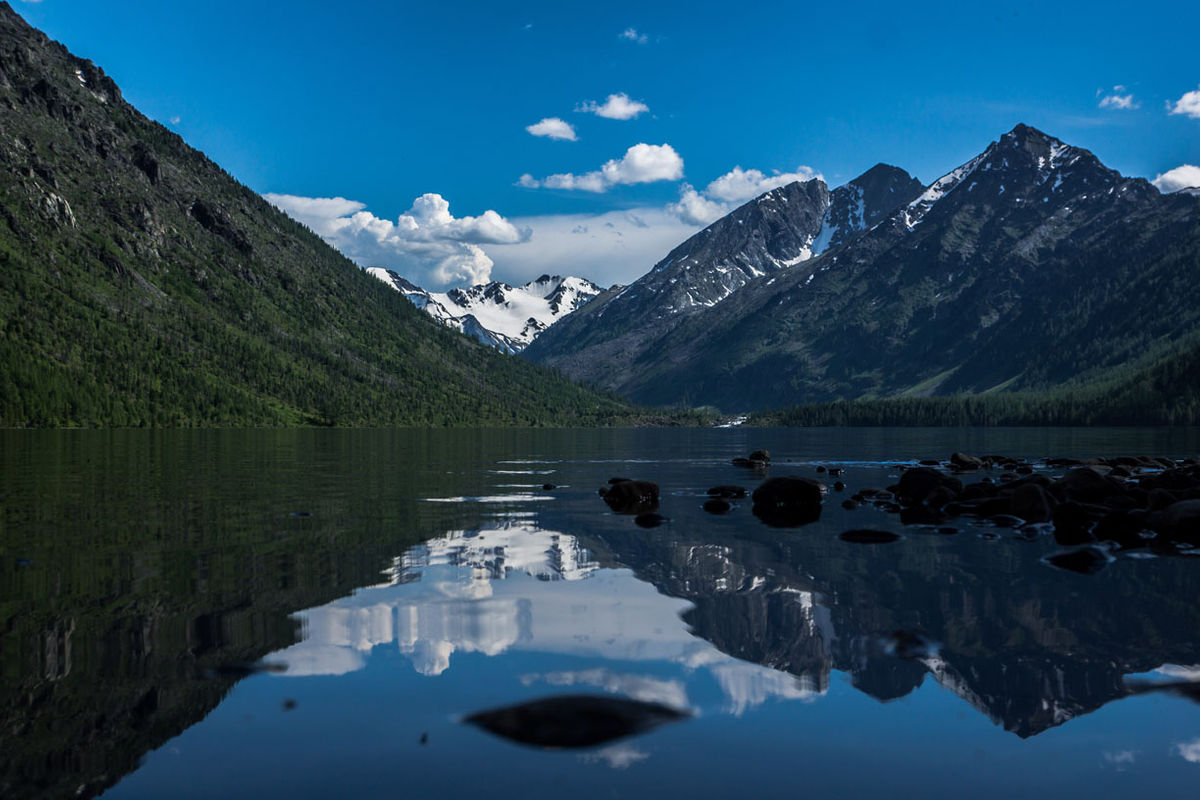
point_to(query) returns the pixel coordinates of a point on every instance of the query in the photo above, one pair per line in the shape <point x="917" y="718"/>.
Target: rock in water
<point x="788" y="502"/>
<point x="574" y="720"/>
<point x="632" y="497"/>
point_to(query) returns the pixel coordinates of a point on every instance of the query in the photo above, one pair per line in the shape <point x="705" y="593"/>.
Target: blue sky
<point x="372" y="105"/>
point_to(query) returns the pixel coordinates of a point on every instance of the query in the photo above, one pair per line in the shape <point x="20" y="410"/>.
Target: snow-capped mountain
<point x="774" y="232"/>
<point x="501" y="316"/>
<point x="1027" y="267"/>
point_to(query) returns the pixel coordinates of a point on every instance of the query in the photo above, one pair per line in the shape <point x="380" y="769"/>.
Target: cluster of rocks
<point x="1124" y="503"/>
<point x="1132" y="502"/>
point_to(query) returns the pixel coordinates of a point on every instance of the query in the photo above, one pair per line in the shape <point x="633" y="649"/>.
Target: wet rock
<point x="838" y="486"/>
<point x="717" y="506"/>
<point x="727" y="491"/>
<point x="836" y="471"/>
<point x="977" y="491"/>
<point x="1084" y="560"/>
<point x="929" y="462"/>
<point x="548" y="487"/>
<point x="865" y="536"/>
<point x="761" y="455"/>
<point x="1122" y="527"/>
<point x="849" y="505"/>
<point x="573" y="721"/>
<point x="788" y="501"/>
<point x="649" y="519"/>
<point x="1032" y="503"/>
<point x="965" y="462"/>
<point x="1180" y="521"/>
<point x="1086" y="485"/>
<point x="917" y="484"/>
<point x="632" y="497"/>
<point x="821" y="469"/>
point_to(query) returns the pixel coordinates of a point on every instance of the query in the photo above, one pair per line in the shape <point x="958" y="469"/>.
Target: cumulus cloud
<point x="553" y="128"/>
<point x="1185" y="176"/>
<point x="1118" y="99"/>
<point x="617" y="106"/>
<point x="696" y="209"/>
<point x="1188" y="105"/>
<point x="642" y="163"/>
<point x="743" y="184"/>
<point x="426" y="243"/>
<point x="734" y="187"/>
<point x="632" y="35"/>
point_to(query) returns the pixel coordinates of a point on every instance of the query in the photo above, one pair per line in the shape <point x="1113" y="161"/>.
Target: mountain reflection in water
<point x="406" y="581"/>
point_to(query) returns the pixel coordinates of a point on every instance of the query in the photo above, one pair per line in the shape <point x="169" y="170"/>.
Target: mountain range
<point x="505" y="317"/>
<point x="1030" y="267"/>
<point x="142" y="285"/>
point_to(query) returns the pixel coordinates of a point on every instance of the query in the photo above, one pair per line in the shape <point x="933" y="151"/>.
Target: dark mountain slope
<point x="1029" y="267"/>
<point x="772" y="233"/>
<point x="141" y="285"/>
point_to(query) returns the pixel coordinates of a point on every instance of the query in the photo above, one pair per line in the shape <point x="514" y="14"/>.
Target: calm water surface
<point x="394" y="583"/>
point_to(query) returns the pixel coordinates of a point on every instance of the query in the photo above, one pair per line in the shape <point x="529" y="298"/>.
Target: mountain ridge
<point x="1028" y="266"/>
<point x="496" y="314"/>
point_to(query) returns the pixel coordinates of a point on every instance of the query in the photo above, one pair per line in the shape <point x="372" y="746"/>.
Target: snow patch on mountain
<point x="497" y="314"/>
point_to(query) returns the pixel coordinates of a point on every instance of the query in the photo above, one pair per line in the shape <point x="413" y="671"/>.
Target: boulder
<point x="632" y="497"/>
<point x="1178" y="521"/>
<point x="1086" y="485"/>
<point x="788" y="501"/>
<point x="918" y="483"/>
<point x="649" y="519"/>
<point x="1085" y="560"/>
<point x="1032" y="503"/>
<point x="965" y="462"/>
<point x="761" y="455"/>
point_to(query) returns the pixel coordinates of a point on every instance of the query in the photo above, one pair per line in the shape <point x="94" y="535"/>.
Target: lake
<point x="323" y="613"/>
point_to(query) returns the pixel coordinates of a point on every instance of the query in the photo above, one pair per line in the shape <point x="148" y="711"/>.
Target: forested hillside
<point x="141" y="285"/>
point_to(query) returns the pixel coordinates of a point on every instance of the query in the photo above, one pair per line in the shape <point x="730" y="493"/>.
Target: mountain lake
<point x="412" y="613"/>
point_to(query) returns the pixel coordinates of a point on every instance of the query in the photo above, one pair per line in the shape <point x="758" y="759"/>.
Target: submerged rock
<point x="649" y="520"/>
<point x="716" y="505"/>
<point x="572" y="721"/>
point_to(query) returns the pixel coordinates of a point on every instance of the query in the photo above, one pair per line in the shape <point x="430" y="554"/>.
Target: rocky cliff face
<point x="1029" y="266"/>
<point x="773" y="233"/>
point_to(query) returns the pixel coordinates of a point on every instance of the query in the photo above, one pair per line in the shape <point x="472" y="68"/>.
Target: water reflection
<point x="516" y="587"/>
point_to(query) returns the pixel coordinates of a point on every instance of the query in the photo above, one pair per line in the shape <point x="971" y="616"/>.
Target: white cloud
<point x="617" y="106"/>
<point x="1182" y="177"/>
<point x="1120" y="759"/>
<point x="642" y="163"/>
<point x="744" y="184"/>
<point x="1118" y="101"/>
<point x="734" y="187"/>
<point x="607" y="248"/>
<point x="1189" y="751"/>
<point x="426" y="243"/>
<point x="631" y="35"/>
<point x="553" y="128"/>
<point x="1188" y="105"/>
<point x="176" y="120"/>
<point x="695" y="208"/>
